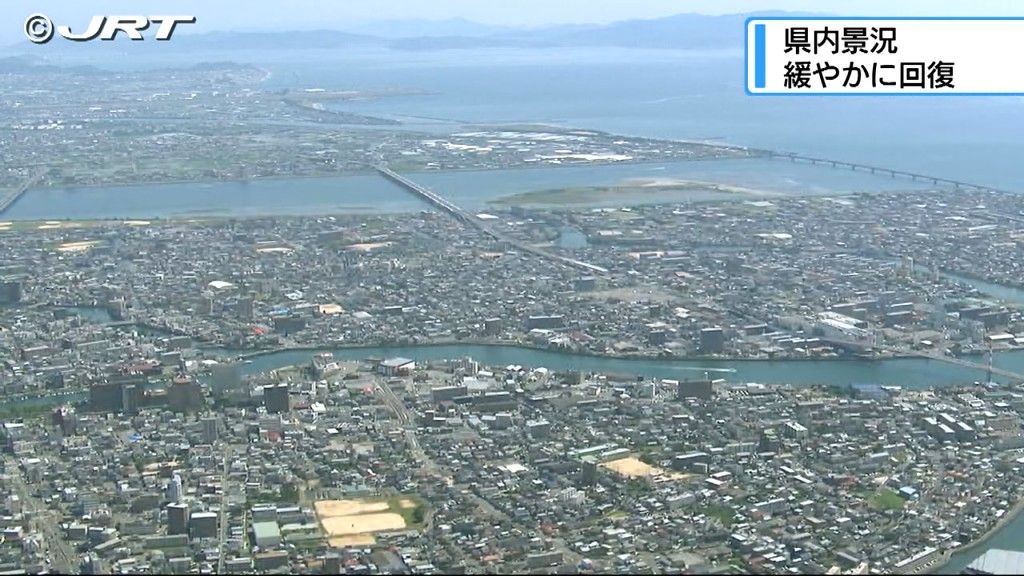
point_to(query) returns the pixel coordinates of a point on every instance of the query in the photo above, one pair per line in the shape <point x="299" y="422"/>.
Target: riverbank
<point x="369" y="171"/>
<point x="248" y="354"/>
<point x="1012" y="515"/>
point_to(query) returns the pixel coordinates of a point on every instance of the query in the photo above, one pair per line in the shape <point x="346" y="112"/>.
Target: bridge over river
<point x="461" y="215"/>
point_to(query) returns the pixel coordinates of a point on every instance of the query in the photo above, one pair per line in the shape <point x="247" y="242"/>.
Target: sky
<point x="218" y="15"/>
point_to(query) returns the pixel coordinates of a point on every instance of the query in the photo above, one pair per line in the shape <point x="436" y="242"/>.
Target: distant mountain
<point x="217" y="41"/>
<point x="31" y="65"/>
<point x="321" y="39"/>
<point x="680" y="31"/>
<point x="427" y="28"/>
<point x="672" y="32"/>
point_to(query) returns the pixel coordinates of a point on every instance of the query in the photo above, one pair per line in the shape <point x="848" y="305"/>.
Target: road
<point x="45" y="521"/>
<point x="222" y="530"/>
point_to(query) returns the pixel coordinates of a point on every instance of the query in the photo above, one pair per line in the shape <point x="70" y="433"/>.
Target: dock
<point x="461" y="215"/>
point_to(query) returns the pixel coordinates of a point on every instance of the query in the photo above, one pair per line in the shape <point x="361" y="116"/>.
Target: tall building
<point x="244" y="309"/>
<point x="210" y="429"/>
<point x="275" y="398"/>
<point x="177" y="519"/>
<point x="712" y="340"/>
<point x="703" y="389"/>
<point x="184" y="395"/>
<point x="492" y="326"/>
<point x="225" y="378"/>
<point x="203" y="525"/>
<point x="175" y="491"/>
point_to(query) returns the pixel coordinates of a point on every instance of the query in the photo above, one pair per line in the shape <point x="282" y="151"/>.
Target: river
<point x="471" y="189"/>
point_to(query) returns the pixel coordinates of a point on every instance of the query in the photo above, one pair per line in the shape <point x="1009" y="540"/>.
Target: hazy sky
<point x="337" y="14"/>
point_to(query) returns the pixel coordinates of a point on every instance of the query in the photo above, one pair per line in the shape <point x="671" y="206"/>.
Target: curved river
<point x="906" y="372"/>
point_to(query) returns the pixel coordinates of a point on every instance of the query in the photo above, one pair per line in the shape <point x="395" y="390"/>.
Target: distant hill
<point x="427" y="28"/>
<point x="675" y="32"/>
<point x="31" y="65"/>
<point x="216" y="41"/>
<point x="681" y="31"/>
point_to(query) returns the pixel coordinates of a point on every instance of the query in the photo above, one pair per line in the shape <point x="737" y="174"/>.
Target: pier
<point x="16" y="194"/>
<point x="461" y="215"/>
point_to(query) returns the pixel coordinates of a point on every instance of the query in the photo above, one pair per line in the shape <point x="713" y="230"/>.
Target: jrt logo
<point x="39" y="28"/>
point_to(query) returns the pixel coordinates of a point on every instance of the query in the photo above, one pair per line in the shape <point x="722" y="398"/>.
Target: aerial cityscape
<point x="428" y="304"/>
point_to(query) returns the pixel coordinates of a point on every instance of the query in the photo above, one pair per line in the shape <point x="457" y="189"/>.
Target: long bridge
<point x="16" y="194"/>
<point x="870" y="169"/>
<point x="461" y="215"/>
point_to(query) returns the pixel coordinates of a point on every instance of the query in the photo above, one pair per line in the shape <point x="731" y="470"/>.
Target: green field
<point x="885" y="499"/>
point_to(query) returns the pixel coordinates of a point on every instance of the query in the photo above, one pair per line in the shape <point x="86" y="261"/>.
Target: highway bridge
<point x="461" y="215"/>
<point x="16" y="194"/>
<point x="893" y="173"/>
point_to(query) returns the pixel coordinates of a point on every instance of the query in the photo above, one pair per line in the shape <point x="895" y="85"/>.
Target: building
<point x="712" y="340"/>
<point x="110" y="395"/>
<point x="396" y="367"/>
<point x="177" y="519"/>
<point x="225" y="378"/>
<point x="210" y="428"/>
<point x="703" y="389"/>
<point x="203" y="525"/>
<point x="492" y="326"/>
<point x="184" y="395"/>
<point x="275" y="398"/>
<point x="584" y="283"/>
<point x="448" y="393"/>
<point x="267" y="534"/>
<point x="175" y="491"/>
<point x="289" y="324"/>
<point x="691" y="462"/>
<point x="545" y="322"/>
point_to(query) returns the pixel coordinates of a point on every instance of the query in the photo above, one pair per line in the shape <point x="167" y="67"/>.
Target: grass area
<point x="668" y="190"/>
<point x="307" y="541"/>
<point x="885" y="499"/>
<point x="414" y="516"/>
<point x="26" y="412"/>
<point x="723" y="513"/>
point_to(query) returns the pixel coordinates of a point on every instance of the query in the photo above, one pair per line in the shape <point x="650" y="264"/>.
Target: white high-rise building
<point x="175" y="493"/>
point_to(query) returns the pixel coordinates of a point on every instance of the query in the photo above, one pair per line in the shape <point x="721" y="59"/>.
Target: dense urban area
<point x="141" y="434"/>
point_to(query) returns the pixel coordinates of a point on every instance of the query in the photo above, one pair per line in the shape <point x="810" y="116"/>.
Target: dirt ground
<point x="632" y="467"/>
<point x="406" y="503"/>
<point x="635" y="468"/>
<point x="331" y="508"/>
<point x="362" y="524"/>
